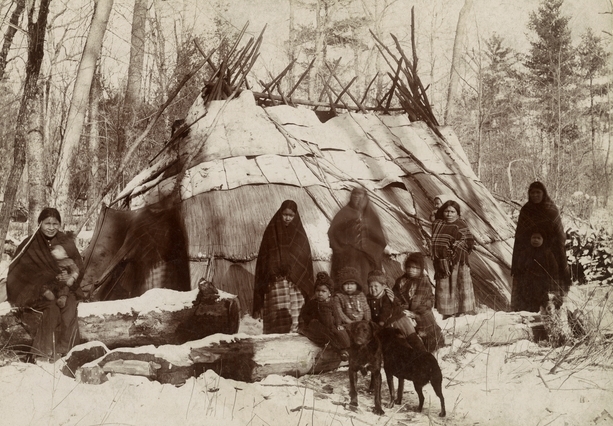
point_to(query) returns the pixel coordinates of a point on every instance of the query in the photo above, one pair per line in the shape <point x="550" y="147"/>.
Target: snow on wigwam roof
<point x="240" y="161"/>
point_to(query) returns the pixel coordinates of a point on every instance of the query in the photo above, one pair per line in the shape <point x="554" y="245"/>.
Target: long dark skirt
<point x="529" y="293"/>
<point x="58" y="331"/>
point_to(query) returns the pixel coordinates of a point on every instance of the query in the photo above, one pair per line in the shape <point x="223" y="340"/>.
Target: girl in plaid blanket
<point x="387" y="312"/>
<point x="413" y="291"/>
<point x="452" y="244"/>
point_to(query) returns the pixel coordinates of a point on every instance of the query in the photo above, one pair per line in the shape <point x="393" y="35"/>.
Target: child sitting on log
<point x="413" y="291"/>
<point x="350" y="303"/>
<point x="318" y="320"/>
<point x="388" y="313"/>
<point x="60" y="289"/>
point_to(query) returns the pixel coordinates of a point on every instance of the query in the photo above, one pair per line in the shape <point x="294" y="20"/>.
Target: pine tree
<point x="592" y="60"/>
<point x="551" y="82"/>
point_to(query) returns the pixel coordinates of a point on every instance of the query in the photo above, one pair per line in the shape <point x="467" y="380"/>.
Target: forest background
<point x="525" y="84"/>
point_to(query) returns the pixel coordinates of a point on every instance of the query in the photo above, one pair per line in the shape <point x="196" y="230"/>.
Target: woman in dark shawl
<point x="540" y="212"/>
<point x="283" y="271"/>
<point x="452" y="244"/>
<point x="33" y="271"/>
<point x="356" y="237"/>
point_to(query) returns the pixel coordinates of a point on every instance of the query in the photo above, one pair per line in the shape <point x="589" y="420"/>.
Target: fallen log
<point x="493" y="328"/>
<point x="239" y="357"/>
<point x="160" y="316"/>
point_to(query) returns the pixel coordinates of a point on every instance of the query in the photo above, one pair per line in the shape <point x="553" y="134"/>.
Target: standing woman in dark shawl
<point x="356" y="237"/>
<point x="32" y="271"/>
<point x="540" y="212"/>
<point x="452" y="243"/>
<point x="283" y="272"/>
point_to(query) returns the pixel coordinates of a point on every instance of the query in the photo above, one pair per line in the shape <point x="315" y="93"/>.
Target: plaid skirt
<point x="455" y="294"/>
<point x="282" y="304"/>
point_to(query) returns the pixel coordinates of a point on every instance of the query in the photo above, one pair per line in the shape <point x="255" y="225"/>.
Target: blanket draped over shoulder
<point x="35" y="267"/>
<point x="452" y="241"/>
<point x="287" y="247"/>
<point x="543" y="216"/>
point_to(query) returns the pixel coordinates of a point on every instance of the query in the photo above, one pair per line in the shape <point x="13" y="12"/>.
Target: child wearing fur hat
<point x="413" y="291"/>
<point x="538" y="274"/>
<point x="350" y="302"/>
<point x="319" y="321"/>
<point x="387" y="312"/>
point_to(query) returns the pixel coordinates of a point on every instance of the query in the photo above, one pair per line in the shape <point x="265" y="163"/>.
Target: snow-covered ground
<point x="486" y="386"/>
<point x="498" y="385"/>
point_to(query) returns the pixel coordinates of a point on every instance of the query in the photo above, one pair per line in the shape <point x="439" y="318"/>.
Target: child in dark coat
<point x="318" y="319"/>
<point x="388" y="313"/>
<point x="538" y="274"/>
<point x="350" y="303"/>
<point x="413" y="291"/>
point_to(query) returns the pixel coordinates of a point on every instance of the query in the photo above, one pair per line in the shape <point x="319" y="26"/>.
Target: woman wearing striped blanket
<point x="452" y="244"/>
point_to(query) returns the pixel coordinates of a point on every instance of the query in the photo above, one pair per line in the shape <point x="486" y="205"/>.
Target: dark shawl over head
<point x="358" y="229"/>
<point x="34" y="267"/>
<point x="543" y="216"/>
<point x="283" y="247"/>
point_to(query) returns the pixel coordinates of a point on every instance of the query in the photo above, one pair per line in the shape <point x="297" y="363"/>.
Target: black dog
<point x="404" y="362"/>
<point x="365" y="355"/>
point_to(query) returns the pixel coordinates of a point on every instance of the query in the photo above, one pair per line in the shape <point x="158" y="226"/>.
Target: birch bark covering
<point x="78" y="106"/>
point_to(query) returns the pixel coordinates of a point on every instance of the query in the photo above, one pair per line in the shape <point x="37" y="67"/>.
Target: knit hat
<point x="415" y="258"/>
<point x="378" y="276"/>
<point x="348" y="274"/>
<point x="324" y="279"/>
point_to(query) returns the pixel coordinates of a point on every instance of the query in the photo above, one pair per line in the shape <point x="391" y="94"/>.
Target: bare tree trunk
<point x="292" y="42"/>
<point x="557" y="141"/>
<point x="320" y="32"/>
<point x="28" y="106"/>
<point x="10" y="34"/>
<point x="94" y="138"/>
<point x="456" y="60"/>
<point x="607" y="172"/>
<point x="35" y="144"/>
<point x="135" y="74"/>
<point x="78" y="105"/>
<point x="479" y="118"/>
<point x="160" y="50"/>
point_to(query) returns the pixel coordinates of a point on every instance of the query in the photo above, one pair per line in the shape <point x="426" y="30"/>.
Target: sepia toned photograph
<point x="306" y="212"/>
